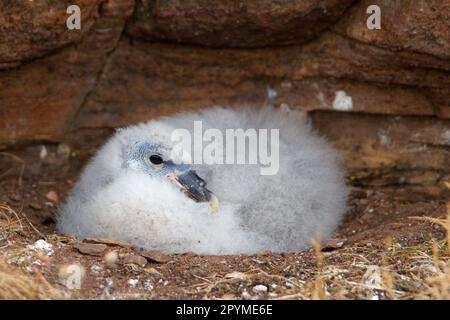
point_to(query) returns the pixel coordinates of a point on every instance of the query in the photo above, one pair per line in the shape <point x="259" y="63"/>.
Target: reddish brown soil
<point x="373" y="217"/>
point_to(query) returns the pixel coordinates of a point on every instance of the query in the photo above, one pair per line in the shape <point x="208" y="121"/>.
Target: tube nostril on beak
<point x="195" y="188"/>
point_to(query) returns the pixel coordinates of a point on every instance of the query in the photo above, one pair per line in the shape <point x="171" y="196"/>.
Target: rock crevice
<point x="135" y="60"/>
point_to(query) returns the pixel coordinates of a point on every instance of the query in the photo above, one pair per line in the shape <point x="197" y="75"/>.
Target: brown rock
<point x="335" y="56"/>
<point x="377" y="80"/>
<point x="96" y="90"/>
<point x="78" y="93"/>
<point x="402" y="156"/>
<point x="152" y="271"/>
<point x="15" y="197"/>
<point x="117" y="8"/>
<point x="38" y="100"/>
<point x="314" y="94"/>
<point x="135" y="259"/>
<point x="90" y="248"/>
<point x="407" y="25"/>
<point x="154" y="256"/>
<point x="332" y="244"/>
<point x="52" y="196"/>
<point x="35" y="206"/>
<point x="251" y="23"/>
<point x="380" y="151"/>
<point x="109" y="242"/>
<point x="31" y="29"/>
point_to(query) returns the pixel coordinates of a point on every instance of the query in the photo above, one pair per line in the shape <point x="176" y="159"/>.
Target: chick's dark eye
<point x="156" y="159"/>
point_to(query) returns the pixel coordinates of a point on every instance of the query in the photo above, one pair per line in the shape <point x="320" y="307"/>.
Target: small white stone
<point x="95" y="268"/>
<point x="288" y="284"/>
<point x="148" y="285"/>
<point x="133" y="282"/>
<point x="63" y="150"/>
<point x="246" y="295"/>
<point x="271" y="93"/>
<point x="342" y="101"/>
<point x="384" y="137"/>
<point x="37" y="262"/>
<point x="285" y="108"/>
<point x="49" y="204"/>
<point x="258" y="261"/>
<point x="259" y="289"/>
<point x="42" y="246"/>
<point x="43" y="154"/>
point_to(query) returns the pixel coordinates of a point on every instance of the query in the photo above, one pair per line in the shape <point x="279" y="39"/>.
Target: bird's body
<point x="118" y="197"/>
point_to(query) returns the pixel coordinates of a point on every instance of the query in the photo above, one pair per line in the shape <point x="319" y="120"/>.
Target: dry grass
<point x="10" y="222"/>
<point x="16" y="285"/>
<point x="18" y="160"/>
<point x="421" y="272"/>
<point x="356" y="271"/>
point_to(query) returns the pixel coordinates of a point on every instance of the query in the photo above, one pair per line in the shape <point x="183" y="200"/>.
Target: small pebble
<point x="90" y="248"/>
<point x="259" y="289"/>
<point x="43" y="154"/>
<point x="52" y="196"/>
<point x="148" y="286"/>
<point x="35" y="206"/>
<point x="63" y="151"/>
<point x="43" y="247"/>
<point x="259" y="261"/>
<point x="15" y="197"/>
<point x="133" y="282"/>
<point x="246" y="296"/>
<point x="95" y="268"/>
<point x="135" y="259"/>
<point x="154" y="256"/>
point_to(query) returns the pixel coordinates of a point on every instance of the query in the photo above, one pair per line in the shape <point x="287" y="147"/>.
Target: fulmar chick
<point x="138" y="190"/>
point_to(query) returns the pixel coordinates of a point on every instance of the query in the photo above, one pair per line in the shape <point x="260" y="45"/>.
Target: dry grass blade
<point x="18" y="160"/>
<point x="10" y="221"/>
<point x="318" y="291"/>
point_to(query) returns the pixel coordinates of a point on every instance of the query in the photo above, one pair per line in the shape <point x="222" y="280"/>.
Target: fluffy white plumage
<point x="282" y="212"/>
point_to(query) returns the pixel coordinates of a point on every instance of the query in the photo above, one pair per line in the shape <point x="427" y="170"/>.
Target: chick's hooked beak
<point x="195" y="188"/>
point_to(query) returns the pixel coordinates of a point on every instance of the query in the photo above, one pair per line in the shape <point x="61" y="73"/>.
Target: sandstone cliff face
<point x="30" y="29"/>
<point x="382" y="96"/>
<point x="219" y="23"/>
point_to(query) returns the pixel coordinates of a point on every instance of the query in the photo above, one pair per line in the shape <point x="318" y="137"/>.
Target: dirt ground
<point x="386" y="249"/>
